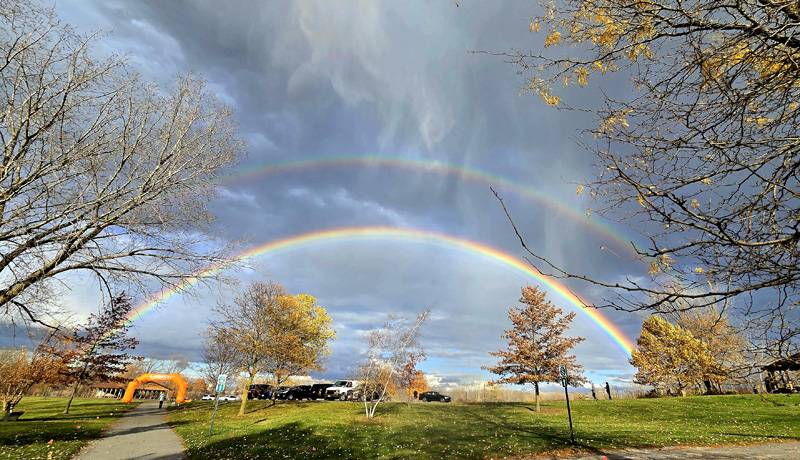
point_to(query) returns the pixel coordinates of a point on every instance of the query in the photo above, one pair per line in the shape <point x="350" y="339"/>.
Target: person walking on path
<point x="594" y="395"/>
<point x="161" y="398"/>
<point x="608" y="390"/>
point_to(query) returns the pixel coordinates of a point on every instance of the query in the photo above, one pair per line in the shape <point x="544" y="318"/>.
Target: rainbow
<point x="397" y="234"/>
<point x="596" y="224"/>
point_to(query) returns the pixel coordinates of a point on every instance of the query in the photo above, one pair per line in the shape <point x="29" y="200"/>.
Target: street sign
<point x="221" y="380"/>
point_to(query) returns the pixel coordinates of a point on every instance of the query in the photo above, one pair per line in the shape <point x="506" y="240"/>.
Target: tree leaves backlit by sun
<point x="698" y="152"/>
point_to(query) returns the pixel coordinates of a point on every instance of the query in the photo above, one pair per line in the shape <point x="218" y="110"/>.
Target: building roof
<point x="792" y="363"/>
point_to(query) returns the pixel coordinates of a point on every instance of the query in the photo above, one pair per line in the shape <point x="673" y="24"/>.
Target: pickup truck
<point x="342" y="390"/>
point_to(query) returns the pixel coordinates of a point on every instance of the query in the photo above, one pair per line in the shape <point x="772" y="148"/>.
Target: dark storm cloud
<point x="318" y="79"/>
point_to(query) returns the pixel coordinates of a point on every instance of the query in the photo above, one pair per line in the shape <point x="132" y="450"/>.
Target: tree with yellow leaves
<point x="703" y="148"/>
<point x="275" y="332"/>
<point x="669" y="357"/>
<point x="297" y="339"/>
<point x="724" y="342"/>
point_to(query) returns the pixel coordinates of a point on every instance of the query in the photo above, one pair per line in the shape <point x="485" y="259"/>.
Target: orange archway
<point x="177" y="379"/>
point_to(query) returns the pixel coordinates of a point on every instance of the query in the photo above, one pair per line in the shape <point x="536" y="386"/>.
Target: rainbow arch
<point x="598" y="226"/>
<point x="399" y="234"/>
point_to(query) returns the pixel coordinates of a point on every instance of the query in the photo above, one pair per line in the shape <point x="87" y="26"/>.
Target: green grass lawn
<point x="435" y="430"/>
<point x="43" y="421"/>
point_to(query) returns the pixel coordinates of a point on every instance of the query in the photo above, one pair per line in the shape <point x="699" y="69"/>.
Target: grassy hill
<point x="434" y="430"/>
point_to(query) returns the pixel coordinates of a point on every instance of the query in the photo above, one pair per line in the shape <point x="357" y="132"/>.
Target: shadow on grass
<point x="287" y="441"/>
<point x="477" y="436"/>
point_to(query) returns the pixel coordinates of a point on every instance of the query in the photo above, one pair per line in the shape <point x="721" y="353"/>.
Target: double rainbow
<point x="398" y="234"/>
<point x="597" y="225"/>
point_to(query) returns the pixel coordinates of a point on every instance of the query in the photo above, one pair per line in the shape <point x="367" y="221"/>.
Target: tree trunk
<point x="71" y="397"/>
<point x="7" y="408"/>
<point x="536" y="386"/>
<point x="245" y="391"/>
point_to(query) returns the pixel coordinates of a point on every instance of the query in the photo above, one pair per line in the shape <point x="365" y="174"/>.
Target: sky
<point x="318" y="80"/>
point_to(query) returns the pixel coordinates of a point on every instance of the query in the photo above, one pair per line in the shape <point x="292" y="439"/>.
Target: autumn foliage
<point x="271" y="331"/>
<point x="99" y="349"/>
<point x="671" y="359"/>
<point x="537" y="346"/>
<point x="417" y="384"/>
<point x="20" y="369"/>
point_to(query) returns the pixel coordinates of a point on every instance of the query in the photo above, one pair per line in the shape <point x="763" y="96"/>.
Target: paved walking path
<point x="771" y="451"/>
<point x="142" y="433"/>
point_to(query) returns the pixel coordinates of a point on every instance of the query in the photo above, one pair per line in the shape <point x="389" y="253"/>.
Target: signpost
<point x="564" y="381"/>
<point x="221" y="380"/>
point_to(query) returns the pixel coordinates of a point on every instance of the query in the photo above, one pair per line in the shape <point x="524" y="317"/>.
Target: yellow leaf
<point x="535" y="26"/>
<point x="695" y="204"/>
<point x="699" y="270"/>
<point x="582" y="74"/>
<point x="706" y="181"/>
<point x="548" y="98"/>
<point x="553" y="38"/>
<point x="599" y="66"/>
<point x="579" y="189"/>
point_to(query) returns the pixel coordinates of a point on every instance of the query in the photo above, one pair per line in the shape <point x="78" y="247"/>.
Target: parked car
<point x="341" y="390"/>
<point x="230" y="398"/>
<point x="260" y="391"/>
<point x="429" y="396"/>
<point x="295" y="392"/>
<point x="207" y="397"/>
<point x="318" y="390"/>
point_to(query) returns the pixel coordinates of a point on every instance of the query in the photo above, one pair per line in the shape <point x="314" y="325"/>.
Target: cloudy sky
<point x="382" y="80"/>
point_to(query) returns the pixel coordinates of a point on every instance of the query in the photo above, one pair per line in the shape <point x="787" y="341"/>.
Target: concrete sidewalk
<point x="770" y="451"/>
<point x="142" y="433"/>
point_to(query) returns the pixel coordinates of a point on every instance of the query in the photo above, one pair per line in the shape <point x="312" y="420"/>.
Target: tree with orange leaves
<point x="536" y="344"/>
<point x="417" y="385"/>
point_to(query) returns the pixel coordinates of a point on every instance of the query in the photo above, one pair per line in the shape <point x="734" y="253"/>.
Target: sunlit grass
<point x="44" y="432"/>
<point x="339" y="430"/>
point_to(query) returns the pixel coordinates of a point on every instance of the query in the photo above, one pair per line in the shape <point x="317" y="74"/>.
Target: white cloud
<point x="362" y="50"/>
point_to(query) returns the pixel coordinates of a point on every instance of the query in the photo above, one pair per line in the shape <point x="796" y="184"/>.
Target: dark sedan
<point x="296" y="392"/>
<point x="259" y="391"/>
<point x="429" y="396"/>
<point x="318" y="390"/>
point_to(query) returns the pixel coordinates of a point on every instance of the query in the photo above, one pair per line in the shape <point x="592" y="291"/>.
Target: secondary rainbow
<point x="596" y="224"/>
<point x="400" y="234"/>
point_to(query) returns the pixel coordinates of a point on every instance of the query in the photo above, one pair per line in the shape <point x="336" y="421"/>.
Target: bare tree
<point x="219" y="356"/>
<point x="701" y="154"/>
<point x="100" y="172"/>
<point x="392" y="353"/>
<point x="244" y="326"/>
